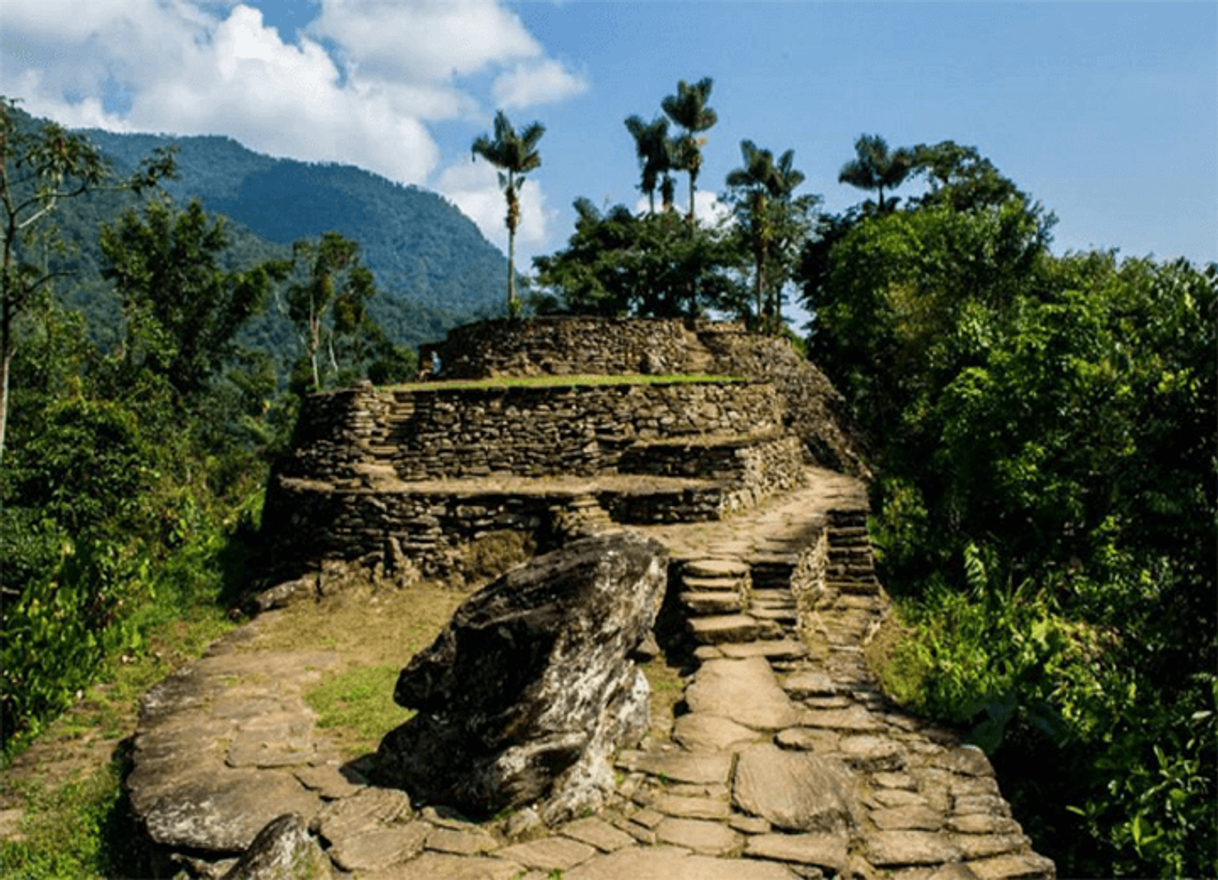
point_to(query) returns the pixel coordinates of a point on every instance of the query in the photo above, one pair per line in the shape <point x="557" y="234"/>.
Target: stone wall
<point x="526" y="431"/>
<point x="571" y="346"/>
<point x="813" y="408"/>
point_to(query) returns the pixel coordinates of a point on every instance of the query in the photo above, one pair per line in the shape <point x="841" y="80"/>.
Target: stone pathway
<point x="787" y="763"/>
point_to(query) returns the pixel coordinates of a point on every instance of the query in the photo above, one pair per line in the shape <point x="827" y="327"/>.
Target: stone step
<point x="771" y="649"/>
<point x="711" y="585"/>
<point x="869" y="587"/>
<point x="772" y="596"/>
<point x="715" y="568"/>
<point x="712" y="602"/>
<point x="779" y="615"/>
<point x="721" y="628"/>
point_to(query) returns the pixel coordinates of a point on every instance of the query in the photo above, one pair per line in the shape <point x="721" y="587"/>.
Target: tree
<point x="654" y="149"/>
<point x="687" y="108"/>
<point x="39" y="169"/>
<point x="875" y="168"/>
<point x="617" y="263"/>
<point x="773" y="223"/>
<point x="182" y="311"/>
<point x="960" y="177"/>
<point x="330" y="303"/>
<point x="516" y="154"/>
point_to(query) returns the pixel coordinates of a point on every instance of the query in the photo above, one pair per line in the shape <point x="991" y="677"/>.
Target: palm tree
<point x="516" y="154"/>
<point x="655" y="151"/>
<point x="875" y="168"/>
<point x="773" y="220"/>
<point x="687" y="108"/>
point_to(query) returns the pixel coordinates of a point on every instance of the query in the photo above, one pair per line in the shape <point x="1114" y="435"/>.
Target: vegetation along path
<point x="772" y="752"/>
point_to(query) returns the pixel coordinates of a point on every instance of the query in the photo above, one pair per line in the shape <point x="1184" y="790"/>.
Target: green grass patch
<point x="357" y="706"/>
<point x="562" y="381"/>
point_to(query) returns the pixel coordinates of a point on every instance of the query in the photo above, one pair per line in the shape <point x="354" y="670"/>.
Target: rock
<point x="1023" y="866"/>
<point x="822" y="850"/>
<point x="891" y="849"/>
<point x="744" y="691"/>
<point x="700" y="730"/>
<point x="708" y="838"/>
<point x="548" y="853"/>
<point x="673" y="863"/>
<point x="283" y="850"/>
<point x="795" y="791"/>
<point x="700" y="768"/>
<point x="379" y="848"/>
<point x="598" y="833"/>
<point x="471" y="841"/>
<point x="441" y="866"/>
<point x="530" y="688"/>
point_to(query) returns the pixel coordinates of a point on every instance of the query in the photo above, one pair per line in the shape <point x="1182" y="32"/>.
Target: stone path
<point x="788" y="762"/>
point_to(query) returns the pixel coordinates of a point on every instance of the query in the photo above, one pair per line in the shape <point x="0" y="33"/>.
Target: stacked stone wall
<point x="525" y="431"/>
<point x="571" y="346"/>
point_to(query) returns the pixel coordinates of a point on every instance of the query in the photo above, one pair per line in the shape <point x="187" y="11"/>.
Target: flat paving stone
<point x="692" y="807"/>
<point x="872" y="753"/>
<point x="715" y="568"/>
<point x="808" y="739"/>
<point x="711" y="585"/>
<point x="708" y="602"/>
<point x="771" y="649"/>
<point x="674" y="863"/>
<point x="853" y="718"/>
<point x="379" y="848"/>
<point x="795" y="791"/>
<point x="697" y="767"/>
<point x="981" y="846"/>
<point x="596" y="832"/>
<point x="548" y="853"/>
<point x="461" y="842"/>
<point x="442" y="866"/>
<point x="719" y="628"/>
<point x="703" y="731"/>
<point x="829" y="851"/>
<point x="707" y="838"/>
<point x="744" y="691"/>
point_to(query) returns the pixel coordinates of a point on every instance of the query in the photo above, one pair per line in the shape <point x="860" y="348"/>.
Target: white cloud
<point x="359" y="85"/>
<point x="425" y="39"/>
<point x="543" y="83"/>
<point x="474" y="188"/>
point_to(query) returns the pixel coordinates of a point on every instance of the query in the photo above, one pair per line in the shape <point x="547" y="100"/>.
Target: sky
<point x="1107" y="113"/>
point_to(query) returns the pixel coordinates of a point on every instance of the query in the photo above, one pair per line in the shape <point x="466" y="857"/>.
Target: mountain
<point x="420" y="246"/>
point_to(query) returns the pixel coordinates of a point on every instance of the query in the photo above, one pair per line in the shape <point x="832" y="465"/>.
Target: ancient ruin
<point x="782" y="759"/>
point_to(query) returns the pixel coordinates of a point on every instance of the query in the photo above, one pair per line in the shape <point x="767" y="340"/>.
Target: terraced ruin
<point x="782" y="759"/>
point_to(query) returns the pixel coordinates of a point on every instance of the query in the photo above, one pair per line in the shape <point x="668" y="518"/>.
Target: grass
<point x="562" y="381"/>
<point x="375" y="633"/>
<point x="78" y="823"/>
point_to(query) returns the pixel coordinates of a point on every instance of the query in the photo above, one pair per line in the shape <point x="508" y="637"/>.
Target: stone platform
<point x="783" y="760"/>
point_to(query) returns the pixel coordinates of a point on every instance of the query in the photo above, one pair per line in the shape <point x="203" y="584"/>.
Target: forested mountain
<point x="419" y="246"/>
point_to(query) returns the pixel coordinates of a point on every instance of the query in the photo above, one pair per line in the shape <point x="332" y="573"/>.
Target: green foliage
<point x="1044" y="428"/>
<point x="181" y="310"/>
<point x="648" y="266"/>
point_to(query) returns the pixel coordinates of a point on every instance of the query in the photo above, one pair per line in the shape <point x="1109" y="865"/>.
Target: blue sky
<point x="1106" y="113"/>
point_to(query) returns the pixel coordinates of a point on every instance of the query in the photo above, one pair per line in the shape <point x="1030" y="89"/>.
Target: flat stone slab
<point x="380" y="848"/>
<point x="719" y="628"/>
<point x="829" y="851"/>
<point x="707" y="838"/>
<point x="367" y="810"/>
<point x="914" y="817"/>
<point x="548" y="853"/>
<point x="703" y="731"/>
<point x="771" y="649"/>
<point x="715" y="568"/>
<point x="711" y="585"/>
<point x="712" y="602"/>
<point x="461" y="841"/>
<point x="674" y="863"/>
<point x="1022" y="866"/>
<point x="795" y="791"/>
<point x="700" y="768"/>
<point x="692" y="807"/>
<point x="892" y="849"/>
<point x="441" y="866"/>
<point x="597" y="832"/>
<point x="852" y="718"/>
<point x="744" y="691"/>
<point x="808" y="683"/>
<point x="872" y="753"/>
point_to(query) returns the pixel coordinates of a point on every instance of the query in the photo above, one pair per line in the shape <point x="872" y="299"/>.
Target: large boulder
<point x="530" y="688"/>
